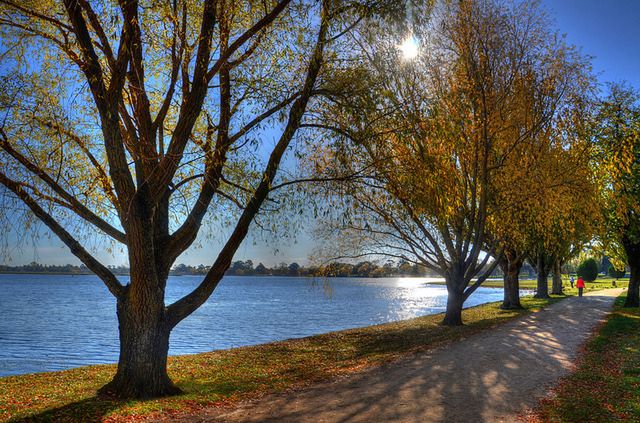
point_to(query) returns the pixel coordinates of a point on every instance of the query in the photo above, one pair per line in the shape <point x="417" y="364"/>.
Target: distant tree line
<point x="64" y="269"/>
<point x="34" y="267"/>
<point x="365" y="269"/>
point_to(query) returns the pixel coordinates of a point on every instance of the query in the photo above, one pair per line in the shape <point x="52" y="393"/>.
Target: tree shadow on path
<point x="492" y="376"/>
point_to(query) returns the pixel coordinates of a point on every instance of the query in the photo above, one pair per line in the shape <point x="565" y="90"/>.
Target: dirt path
<point x="489" y="377"/>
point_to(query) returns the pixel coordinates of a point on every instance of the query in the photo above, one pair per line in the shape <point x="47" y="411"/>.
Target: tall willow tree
<point x="617" y="131"/>
<point x="546" y="197"/>
<point x="140" y="122"/>
<point x="567" y="215"/>
<point x="548" y="209"/>
<point x="431" y="139"/>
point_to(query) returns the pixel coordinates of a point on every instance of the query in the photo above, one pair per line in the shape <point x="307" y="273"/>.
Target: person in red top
<point x="580" y="286"/>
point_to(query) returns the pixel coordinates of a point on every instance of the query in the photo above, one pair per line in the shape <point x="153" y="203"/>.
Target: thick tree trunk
<point x="144" y="346"/>
<point x="633" y="293"/>
<point x="453" y="315"/>
<point x="455" y="299"/>
<point x="633" y="256"/>
<point x="511" y="265"/>
<point x="542" y="290"/>
<point x="556" y="284"/>
<point x="142" y="318"/>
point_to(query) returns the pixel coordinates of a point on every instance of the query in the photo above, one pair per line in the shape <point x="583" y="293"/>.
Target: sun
<point x="409" y="48"/>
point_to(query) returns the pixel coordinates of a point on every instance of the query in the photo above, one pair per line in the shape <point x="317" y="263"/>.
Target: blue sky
<point x="609" y="31"/>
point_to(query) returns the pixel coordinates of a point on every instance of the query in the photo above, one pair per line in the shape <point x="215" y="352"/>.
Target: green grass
<point x="223" y="377"/>
<point x="606" y="385"/>
<point x="600" y="283"/>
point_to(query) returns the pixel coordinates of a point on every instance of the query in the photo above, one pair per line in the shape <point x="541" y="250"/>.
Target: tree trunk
<point x="511" y="265"/>
<point x="543" y="274"/>
<point x="556" y="285"/>
<point x="142" y="319"/>
<point x="633" y="293"/>
<point x="453" y="315"/>
<point x="144" y="347"/>
<point x="633" y="256"/>
<point x="455" y="295"/>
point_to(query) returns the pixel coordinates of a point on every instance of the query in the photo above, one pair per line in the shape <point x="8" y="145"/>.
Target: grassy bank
<point x="606" y="385"/>
<point x="600" y="283"/>
<point x="222" y="377"/>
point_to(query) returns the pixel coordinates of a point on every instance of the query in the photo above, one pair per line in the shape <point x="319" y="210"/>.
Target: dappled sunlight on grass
<point x="600" y="283"/>
<point x="606" y="385"/>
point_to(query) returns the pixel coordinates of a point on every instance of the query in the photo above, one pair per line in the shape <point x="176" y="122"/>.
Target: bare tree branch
<point x="96" y="267"/>
<point x="78" y="207"/>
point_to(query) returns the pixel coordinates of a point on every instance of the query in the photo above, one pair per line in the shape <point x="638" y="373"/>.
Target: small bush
<point x="616" y="273"/>
<point x="588" y="270"/>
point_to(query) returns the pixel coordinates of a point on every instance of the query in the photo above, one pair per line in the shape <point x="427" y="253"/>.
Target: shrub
<point x="616" y="273"/>
<point x="588" y="270"/>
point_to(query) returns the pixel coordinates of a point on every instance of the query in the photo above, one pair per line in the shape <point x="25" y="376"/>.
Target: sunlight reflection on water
<point x="57" y="322"/>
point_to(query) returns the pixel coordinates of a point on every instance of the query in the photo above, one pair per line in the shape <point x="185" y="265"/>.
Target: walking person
<point x="580" y="286"/>
<point x="572" y="281"/>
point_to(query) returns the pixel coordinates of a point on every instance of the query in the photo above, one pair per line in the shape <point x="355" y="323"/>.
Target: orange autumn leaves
<point x="479" y="140"/>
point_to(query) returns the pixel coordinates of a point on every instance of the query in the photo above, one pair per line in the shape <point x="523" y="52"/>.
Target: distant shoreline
<point x="52" y="273"/>
<point x="240" y="276"/>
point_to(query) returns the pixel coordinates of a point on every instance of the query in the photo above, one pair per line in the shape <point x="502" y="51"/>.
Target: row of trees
<point x="246" y="268"/>
<point x="139" y="124"/>
<point x="366" y="269"/>
<point x="472" y="156"/>
<point x="617" y="158"/>
<point x="35" y="267"/>
<point x="491" y="148"/>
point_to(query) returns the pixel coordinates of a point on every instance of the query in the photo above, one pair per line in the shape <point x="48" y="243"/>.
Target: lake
<point x="55" y="322"/>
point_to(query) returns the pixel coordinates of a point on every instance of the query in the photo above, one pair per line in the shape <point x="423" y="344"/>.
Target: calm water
<point x="56" y="322"/>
